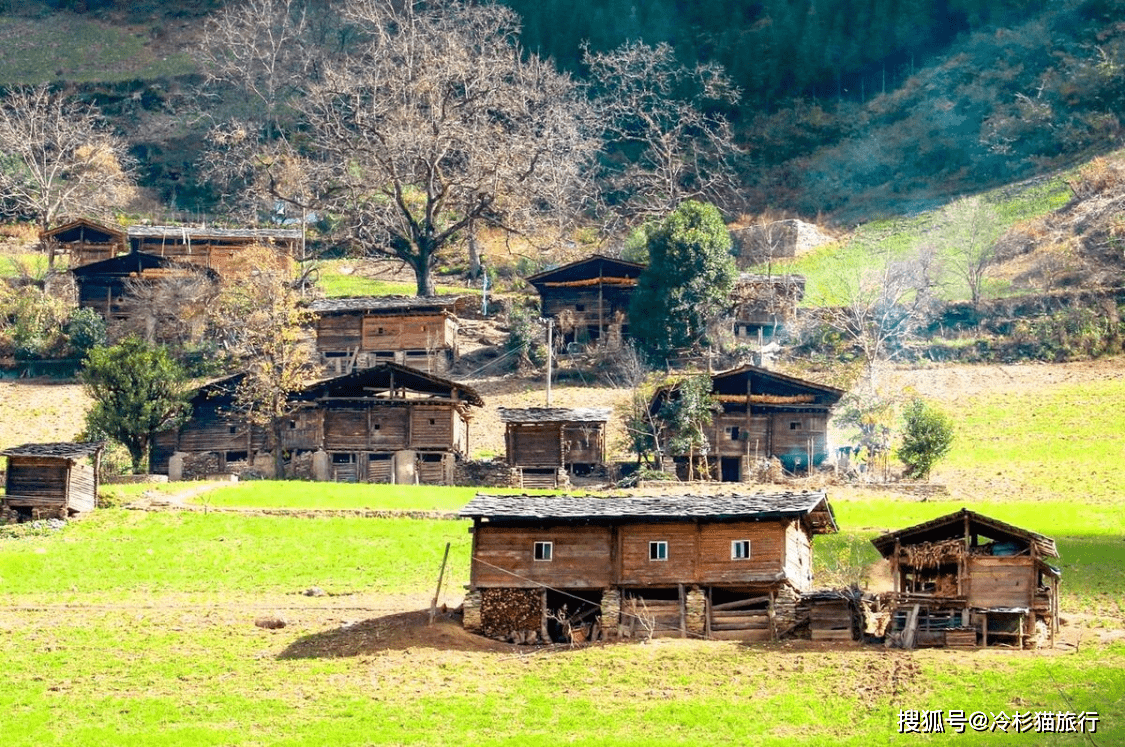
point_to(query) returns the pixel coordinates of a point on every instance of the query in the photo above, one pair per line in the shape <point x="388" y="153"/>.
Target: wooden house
<point x="50" y="480"/>
<point x="541" y="442"/>
<point x="764" y="304"/>
<point x="390" y="423"/>
<point x="707" y="566"/>
<point x="218" y="249"/>
<point x="85" y="241"/>
<point x="103" y="285"/>
<point x="364" y="332"/>
<point x="764" y="415"/>
<point x="589" y="299"/>
<point x="966" y="573"/>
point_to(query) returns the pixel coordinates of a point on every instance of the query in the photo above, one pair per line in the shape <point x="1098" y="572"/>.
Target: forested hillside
<point x="849" y="109"/>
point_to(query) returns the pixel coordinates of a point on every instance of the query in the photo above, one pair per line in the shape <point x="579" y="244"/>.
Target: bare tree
<point x="172" y="309"/>
<point x="262" y="322"/>
<point x="438" y="122"/>
<point x="265" y="51"/>
<point x="880" y="308"/>
<point x="650" y="104"/>
<point x="58" y="158"/>
<point x="967" y="233"/>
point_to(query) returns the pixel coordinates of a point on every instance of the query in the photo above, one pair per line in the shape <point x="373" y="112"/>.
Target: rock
<point x="315" y="591"/>
<point x="270" y="623"/>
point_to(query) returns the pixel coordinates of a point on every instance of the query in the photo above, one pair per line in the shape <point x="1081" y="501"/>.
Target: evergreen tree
<point x="927" y="435"/>
<point x="687" y="284"/>
<point x="137" y="390"/>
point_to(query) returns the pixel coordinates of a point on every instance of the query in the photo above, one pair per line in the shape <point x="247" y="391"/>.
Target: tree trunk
<point x="278" y="451"/>
<point x="423" y="274"/>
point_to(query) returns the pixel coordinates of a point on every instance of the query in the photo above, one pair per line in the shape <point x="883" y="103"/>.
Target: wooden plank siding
<point x="534" y="445"/>
<point x="40" y="480"/>
<point x="1000" y="581"/>
<point x="798" y="556"/>
<point x="81" y="492"/>
<point x="578" y="560"/>
<point x="767" y="547"/>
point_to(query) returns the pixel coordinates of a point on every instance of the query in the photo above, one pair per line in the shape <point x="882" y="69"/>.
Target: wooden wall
<point x="37" y="481"/>
<point x="772" y="435"/>
<point x="580" y="557"/>
<point x="798" y="556"/>
<point x="337" y="333"/>
<point x="583" y="443"/>
<point x="588" y="308"/>
<point x="1001" y="581"/>
<point x="534" y="445"/>
<point x="699" y="553"/>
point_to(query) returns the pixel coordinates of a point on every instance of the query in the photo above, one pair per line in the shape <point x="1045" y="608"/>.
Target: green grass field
<point x="137" y="628"/>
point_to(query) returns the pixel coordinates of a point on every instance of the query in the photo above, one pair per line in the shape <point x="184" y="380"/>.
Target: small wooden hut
<point x="541" y="442"/>
<point x="589" y="299"/>
<point x="51" y="480"/>
<point x="968" y="573"/>
<point x="765" y="415"/>
<point x="727" y="566"/>
<point x="356" y="333"/>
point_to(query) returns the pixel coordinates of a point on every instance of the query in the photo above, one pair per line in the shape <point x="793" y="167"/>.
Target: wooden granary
<point x="765" y="415"/>
<point x="50" y="480"/>
<point x="356" y="333"/>
<point x="542" y="442"/>
<point x="728" y="566"/>
<point x="589" y="299"/>
<point x="972" y="578"/>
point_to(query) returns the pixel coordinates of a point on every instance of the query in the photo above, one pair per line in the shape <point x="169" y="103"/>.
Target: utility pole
<point x="550" y="355"/>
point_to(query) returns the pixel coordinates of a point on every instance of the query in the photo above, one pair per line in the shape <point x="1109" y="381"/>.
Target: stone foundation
<point x="695" y="605"/>
<point x="611" y="612"/>
<point x="487" y="474"/>
<point x="785" y="609"/>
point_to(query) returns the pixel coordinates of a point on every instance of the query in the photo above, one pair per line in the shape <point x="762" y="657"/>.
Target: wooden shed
<point x="51" y="480"/>
<point x="390" y="423"/>
<point x="764" y="415"/>
<point x="102" y="285"/>
<point x="727" y="566"/>
<point x="541" y="441"/>
<point x="969" y="572"/>
<point x="589" y="299"/>
<point x="356" y="333"/>
<point x="85" y="241"/>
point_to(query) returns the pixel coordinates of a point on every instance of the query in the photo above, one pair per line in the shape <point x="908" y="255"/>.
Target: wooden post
<point x="683" y="612"/>
<point x="441" y="576"/>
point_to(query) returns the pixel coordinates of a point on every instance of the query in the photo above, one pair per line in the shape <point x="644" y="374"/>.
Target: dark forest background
<point x="850" y="109"/>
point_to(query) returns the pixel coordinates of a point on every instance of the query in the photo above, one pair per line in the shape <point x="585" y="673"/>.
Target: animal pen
<point x="582" y="568"/>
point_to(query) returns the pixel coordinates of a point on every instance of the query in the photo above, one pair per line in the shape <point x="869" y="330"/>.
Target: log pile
<point x="750" y="619"/>
<point x="933" y="554"/>
<point x="514" y="615"/>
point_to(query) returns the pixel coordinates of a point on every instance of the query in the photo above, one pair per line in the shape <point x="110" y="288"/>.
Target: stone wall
<point x="485" y="474"/>
<point x="695" y="605"/>
<point x="471" y="611"/>
<point x="786" y="614"/>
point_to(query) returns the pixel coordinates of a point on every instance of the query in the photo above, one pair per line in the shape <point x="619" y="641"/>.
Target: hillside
<point x="850" y="108"/>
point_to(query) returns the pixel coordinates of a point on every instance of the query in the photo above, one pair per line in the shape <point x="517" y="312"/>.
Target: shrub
<point x="927" y="434"/>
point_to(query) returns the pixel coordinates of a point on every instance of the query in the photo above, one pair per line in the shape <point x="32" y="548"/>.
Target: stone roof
<point x="381" y="303"/>
<point x="195" y="233"/>
<point x="813" y="504"/>
<point x="554" y="414"/>
<point x="62" y="450"/>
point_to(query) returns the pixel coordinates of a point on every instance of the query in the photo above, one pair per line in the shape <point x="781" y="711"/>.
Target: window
<point x="232" y="429"/>
<point x="579" y="307"/>
<point x="795" y="425"/>
<point x="292" y="425"/>
<point x="544" y="550"/>
<point x="740" y="550"/>
<point x="733" y="432"/>
<point x="432" y="421"/>
<point x="658" y="550"/>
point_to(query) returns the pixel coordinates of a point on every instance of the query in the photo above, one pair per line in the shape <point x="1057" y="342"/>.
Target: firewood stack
<point x="514" y="615"/>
